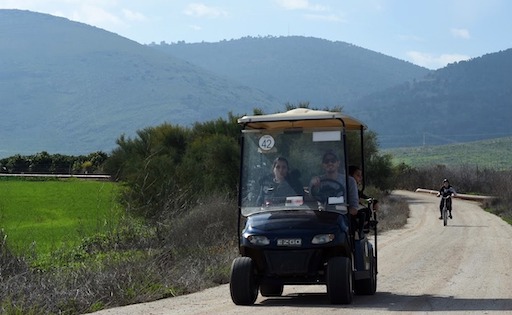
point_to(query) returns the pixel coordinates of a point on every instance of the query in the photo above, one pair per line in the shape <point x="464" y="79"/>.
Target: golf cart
<point x="300" y="237"/>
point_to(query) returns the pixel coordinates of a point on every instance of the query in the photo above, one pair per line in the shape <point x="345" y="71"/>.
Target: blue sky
<point x="429" y="33"/>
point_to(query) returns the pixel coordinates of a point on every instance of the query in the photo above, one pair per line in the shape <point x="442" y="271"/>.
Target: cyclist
<point x="445" y="191"/>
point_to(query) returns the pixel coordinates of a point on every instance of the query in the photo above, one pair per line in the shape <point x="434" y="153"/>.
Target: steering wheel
<point x="328" y="188"/>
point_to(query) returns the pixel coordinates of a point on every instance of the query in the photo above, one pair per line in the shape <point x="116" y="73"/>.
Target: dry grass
<point x="132" y="264"/>
<point x="137" y="264"/>
<point x="392" y="214"/>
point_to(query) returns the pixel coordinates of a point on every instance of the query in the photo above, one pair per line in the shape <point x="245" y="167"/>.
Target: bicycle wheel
<point x="445" y="215"/>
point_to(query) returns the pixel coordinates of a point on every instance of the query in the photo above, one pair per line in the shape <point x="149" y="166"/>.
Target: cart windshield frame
<point x="305" y="139"/>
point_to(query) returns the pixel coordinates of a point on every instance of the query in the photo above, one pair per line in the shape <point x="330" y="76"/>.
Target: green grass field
<point x="492" y="154"/>
<point x="39" y="216"/>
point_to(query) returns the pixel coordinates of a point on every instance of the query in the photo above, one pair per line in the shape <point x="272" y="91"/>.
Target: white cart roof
<point x="301" y="118"/>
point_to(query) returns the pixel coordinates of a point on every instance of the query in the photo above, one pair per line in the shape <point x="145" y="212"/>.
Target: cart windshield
<point x="293" y="170"/>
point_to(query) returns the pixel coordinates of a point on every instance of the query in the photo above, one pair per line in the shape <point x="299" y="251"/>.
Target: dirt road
<point x="463" y="268"/>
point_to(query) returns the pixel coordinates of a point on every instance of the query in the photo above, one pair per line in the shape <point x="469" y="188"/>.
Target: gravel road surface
<point x="463" y="268"/>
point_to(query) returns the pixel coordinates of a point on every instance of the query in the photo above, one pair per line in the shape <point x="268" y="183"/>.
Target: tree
<point x="62" y="164"/>
<point x="41" y="163"/>
<point x="17" y="164"/>
<point x="219" y="126"/>
<point x="211" y="165"/>
<point x="147" y="164"/>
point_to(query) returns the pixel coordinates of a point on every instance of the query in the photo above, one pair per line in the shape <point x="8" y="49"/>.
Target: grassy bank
<point x="42" y="215"/>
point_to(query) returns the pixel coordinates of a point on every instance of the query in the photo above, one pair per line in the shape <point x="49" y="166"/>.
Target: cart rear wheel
<point x="368" y="286"/>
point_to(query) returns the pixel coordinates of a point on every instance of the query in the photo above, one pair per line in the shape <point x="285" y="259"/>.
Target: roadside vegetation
<point x="177" y="230"/>
<point x="46" y="163"/>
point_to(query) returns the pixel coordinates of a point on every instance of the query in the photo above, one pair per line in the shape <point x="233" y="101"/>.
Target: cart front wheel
<point x="243" y="286"/>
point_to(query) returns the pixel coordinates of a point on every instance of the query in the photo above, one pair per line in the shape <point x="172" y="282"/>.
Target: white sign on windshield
<point x="336" y="200"/>
<point x="319" y="136"/>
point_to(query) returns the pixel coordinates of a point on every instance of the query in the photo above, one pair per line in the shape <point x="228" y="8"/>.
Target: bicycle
<point x="445" y="209"/>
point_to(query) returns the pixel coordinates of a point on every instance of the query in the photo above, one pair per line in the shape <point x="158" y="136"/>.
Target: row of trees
<point x="44" y="162"/>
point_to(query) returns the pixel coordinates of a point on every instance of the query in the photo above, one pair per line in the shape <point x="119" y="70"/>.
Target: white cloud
<point x="293" y="4"/>
<point x="94" y="15"/>
<point x="201" y="10"/>
<point x="451" y="58"/>
<point x="412" y="38"/>
<point x="328" y="18"/>
<point x="101" y="13"/>
<point x="460" y="33"/>
<point x="133" y="16"/>
<point x="434" y="62"/>
<point x="300" y="5"/>
<point x="195" y="27"/>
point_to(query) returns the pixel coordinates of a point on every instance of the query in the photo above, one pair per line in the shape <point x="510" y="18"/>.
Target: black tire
<point x="269" y="290"/>
<point x="368" y="286"/>
<point x="243" y="286"/>
<point x="445" y="217"/>
<point x="339" y="280"/>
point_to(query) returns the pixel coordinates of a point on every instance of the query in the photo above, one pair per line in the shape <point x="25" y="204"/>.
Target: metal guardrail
<point x="84" y="176"/>
<point x="460" y="196"/>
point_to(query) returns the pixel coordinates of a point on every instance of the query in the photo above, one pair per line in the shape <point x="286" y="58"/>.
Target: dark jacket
<point x="274" y="193"/>
<point x="446" y="191"/>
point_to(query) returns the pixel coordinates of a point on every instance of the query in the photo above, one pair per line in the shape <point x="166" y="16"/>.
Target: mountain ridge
<point x="467" y="100"/>
<point x="71" y="88"/>
<point x="305" y="67"/>
<point x="95" y="86"/>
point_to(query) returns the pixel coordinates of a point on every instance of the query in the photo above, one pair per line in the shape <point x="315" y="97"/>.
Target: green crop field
<point x="38" y="216"/>
<point x="492" y="154"/>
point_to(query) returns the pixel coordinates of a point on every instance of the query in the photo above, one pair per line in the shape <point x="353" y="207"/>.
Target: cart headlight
<point x="258" y="240"/>
<point x="322" y="239"/>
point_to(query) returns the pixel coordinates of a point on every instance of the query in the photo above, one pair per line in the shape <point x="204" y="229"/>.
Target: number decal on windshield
<point x="266" y="142"/>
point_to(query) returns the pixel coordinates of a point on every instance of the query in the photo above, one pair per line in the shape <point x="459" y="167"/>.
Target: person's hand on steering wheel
<point x="326" y="188"/>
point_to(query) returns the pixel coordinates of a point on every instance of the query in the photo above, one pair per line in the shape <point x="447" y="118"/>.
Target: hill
<point x="406" y="106"/>
<point x="472" y="154"/>
<point x="296" y="69"/>
<point x="71" y="88"/>
<point x="466" y="101"/>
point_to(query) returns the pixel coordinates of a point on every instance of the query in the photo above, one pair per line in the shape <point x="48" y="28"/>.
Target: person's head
<point x="330" y="162"/>
<point x="280" y="168"/>
<point x="356" y="172"/>
<point x="446" y="183"/>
